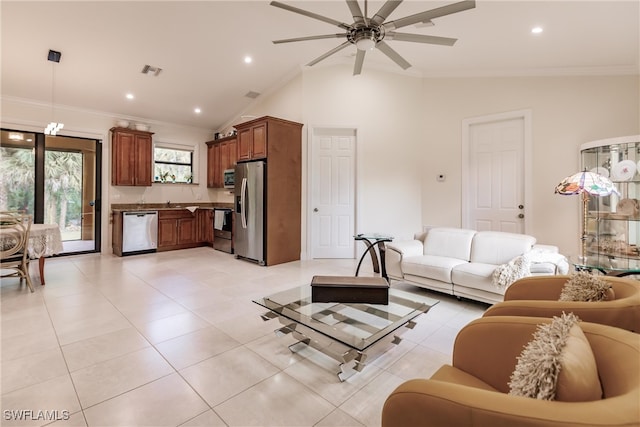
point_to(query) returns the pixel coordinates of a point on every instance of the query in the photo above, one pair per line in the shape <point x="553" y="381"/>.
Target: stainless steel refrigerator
<point x="249" y="237"/>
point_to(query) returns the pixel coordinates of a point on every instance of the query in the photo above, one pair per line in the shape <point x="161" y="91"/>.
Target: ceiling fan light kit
<point x="370" y="33"/>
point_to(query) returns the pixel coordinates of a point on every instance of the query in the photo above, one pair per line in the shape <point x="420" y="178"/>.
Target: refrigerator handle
<point x="243" y="201"/>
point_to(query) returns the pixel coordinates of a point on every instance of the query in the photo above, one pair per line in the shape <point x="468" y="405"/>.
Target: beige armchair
<point x="473" y="392"/>
<point x="538" y="296"/>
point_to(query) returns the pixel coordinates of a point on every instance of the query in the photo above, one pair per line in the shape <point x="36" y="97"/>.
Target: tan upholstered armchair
<point x="538" y="296"/>
<point x="473" y="392"/>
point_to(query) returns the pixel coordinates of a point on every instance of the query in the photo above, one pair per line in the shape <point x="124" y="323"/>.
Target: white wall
<point x="385" y="109"/>
<point x="567" y="111"/>
<point x="25" y="115"/>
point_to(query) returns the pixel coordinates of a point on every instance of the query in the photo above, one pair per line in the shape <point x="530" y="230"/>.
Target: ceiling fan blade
<point x="310" y="14"/>
<point x="300" y="39"/>
<point x="385" y="11"/>
<point x="354" y="7"/>
<point x="430" y="14"/>
<point x="419" y="38"/>
<point x="328" y="54"/>
<point x="357" y="68"/>
<point x="395" y="56"/>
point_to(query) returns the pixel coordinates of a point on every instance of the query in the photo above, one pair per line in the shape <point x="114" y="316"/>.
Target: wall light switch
<point x="441" y="177"/>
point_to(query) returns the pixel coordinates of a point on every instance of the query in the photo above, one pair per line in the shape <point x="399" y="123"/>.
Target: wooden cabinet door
<point x="224" y="157"/>
<point x="204" y="225"/>
<point x="244" y="144"/>
<point x="210" y="162"/>
<point x="186" y="230"/>
<point x="216" y="166"/>
<point x="123" y="160"/>
<point x="131" y="158"/>
<point x="144" y="156"/>
<point x="259" y="141"/>
<point x="233" y="154"/>
<point x="167" y="232"/>
<point x="116" y="233"/>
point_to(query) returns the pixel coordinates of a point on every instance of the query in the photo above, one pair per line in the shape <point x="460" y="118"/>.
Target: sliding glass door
<point x="57" y="179"/>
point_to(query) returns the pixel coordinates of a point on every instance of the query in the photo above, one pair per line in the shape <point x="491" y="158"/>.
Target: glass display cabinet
<point x="613" y="222"/>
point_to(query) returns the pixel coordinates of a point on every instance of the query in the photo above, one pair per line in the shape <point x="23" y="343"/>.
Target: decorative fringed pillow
<point x="583" y="286"/>
<point x="504" y="275"/>
<point x="558" y="364"/>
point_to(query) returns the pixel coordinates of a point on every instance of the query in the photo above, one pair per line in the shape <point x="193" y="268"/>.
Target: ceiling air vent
<point x="252" y="94"/>
<point x="151" y="70"/>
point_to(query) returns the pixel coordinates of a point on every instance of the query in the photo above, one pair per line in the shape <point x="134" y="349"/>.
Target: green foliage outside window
<point x="173" y="165"/>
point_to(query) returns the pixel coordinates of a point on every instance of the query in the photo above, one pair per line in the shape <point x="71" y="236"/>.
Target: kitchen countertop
<point x="132" y="207"/>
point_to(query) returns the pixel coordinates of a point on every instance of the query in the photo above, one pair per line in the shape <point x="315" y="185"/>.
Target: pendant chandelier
<point x="54" y="127"/>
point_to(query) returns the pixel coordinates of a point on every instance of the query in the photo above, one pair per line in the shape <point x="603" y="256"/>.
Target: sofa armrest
<point x="396" y="251"/>
<point x="406" y="248"/>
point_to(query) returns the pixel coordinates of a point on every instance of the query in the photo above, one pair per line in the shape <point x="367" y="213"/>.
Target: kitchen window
<point x="173" y="163"/>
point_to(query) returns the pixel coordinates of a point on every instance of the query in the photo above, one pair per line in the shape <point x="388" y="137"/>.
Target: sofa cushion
<point x="475" y="275"/>
<point x="583" y="286"/>
<point x="497" y="247"/>
<point x="431" y="266"/>
<point x="558" y="364"/>
<point x="449" y="242"/>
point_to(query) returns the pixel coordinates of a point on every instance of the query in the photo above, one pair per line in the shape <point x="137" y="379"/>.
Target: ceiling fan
<point x="369" y="33"/>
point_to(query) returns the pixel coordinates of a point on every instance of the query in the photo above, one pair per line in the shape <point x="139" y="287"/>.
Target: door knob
<point x="520" y="206"/>
<point x="520" y="215"/>
<point x="315" y="209"/>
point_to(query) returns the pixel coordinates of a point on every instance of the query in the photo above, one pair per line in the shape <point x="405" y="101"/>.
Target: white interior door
<point x="332" y="193"/>
<point x="496" y="174"/>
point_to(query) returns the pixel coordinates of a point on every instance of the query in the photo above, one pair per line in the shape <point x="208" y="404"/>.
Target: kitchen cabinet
<point x="116" y="234"/>
<point x="613" y="222"/>
<point x="221" y="155"/>
<point x="214" y="174"/>
<point x="204" y="219"/>
<point x="176" y="229"/>
<point x="131" y="158"/>
<point x="252" y="141"/>
<point x="279" y="142"/>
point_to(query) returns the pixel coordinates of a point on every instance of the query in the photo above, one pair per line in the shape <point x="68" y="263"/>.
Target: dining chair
<point x="14" y="239"/>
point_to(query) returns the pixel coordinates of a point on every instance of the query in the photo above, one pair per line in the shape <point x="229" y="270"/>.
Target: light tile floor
<point x="174" y="339"/>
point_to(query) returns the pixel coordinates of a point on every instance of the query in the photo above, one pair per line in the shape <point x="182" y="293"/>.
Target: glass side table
<point x="373" y="240"/>
<point x="609" y="266"/>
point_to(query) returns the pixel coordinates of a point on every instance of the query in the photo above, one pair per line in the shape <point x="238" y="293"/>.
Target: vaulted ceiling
<point x="201" y="45"/>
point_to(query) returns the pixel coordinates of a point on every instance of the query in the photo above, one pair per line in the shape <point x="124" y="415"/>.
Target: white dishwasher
<point x="139" y="232"/>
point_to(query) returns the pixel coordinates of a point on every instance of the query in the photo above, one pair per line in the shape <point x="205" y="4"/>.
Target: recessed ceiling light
<point x="536" y="30"/>
<point x="248" y="60"/>
<point x="197" y="110"/>
<point x="129" y="96"/>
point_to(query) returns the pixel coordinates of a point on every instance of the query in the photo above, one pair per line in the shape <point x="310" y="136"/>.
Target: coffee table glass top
<point x="355" y="325"/>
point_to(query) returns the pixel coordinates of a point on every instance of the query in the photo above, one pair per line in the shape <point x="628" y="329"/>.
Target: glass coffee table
<point x="351" y="334"/>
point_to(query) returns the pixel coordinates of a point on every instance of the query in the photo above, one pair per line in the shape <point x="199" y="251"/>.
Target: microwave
<point x="228" y="178"/>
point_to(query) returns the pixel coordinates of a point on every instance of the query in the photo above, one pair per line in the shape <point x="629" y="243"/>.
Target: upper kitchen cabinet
<point x="131" y="158"/>
<point x="221" y="155"/>
<point x="252" y="139"/>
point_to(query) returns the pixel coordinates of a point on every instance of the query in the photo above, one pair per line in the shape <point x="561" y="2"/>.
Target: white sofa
<point x="461" y="262"/>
